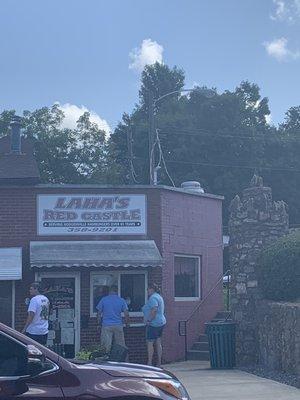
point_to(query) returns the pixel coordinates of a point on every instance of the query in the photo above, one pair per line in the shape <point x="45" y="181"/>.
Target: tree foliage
<point x="220" y="141"/>
<point x="279" y="269"/>
<point x="64" y="155"/>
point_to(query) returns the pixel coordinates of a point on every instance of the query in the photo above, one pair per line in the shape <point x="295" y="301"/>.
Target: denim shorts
<point x="154" y="332"/>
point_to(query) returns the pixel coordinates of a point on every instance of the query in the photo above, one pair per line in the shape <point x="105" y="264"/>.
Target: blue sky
<point x="78" y="52"/>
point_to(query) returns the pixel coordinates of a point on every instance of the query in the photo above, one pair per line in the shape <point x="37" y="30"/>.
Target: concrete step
<point x="203" y="338"/>
<point x="201" y="346"/>
<point x="198" y="355"/>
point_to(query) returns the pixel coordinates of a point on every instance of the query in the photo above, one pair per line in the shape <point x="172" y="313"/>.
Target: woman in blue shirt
<point x="155" y="321"/>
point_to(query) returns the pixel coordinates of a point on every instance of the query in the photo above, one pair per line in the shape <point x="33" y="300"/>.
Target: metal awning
<point x="125" y="253"/>
<point x="10" y="264"/>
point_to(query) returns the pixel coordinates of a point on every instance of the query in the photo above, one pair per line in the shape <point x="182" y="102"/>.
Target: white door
<point x="63" y="291"/>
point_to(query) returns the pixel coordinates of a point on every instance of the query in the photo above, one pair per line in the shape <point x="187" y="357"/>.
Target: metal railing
<point x="182" y="325"/>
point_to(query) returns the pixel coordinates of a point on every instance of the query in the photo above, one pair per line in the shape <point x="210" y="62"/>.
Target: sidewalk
<point x="204" y="383"/>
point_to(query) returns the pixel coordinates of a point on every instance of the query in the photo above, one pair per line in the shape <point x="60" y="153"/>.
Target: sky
<point x="89" y="54"/>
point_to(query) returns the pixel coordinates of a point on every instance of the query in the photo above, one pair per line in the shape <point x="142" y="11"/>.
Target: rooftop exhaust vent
<point x="192" y="186"/>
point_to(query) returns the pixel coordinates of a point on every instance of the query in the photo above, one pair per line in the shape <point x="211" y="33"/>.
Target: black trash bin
<point x="221" y="339"/>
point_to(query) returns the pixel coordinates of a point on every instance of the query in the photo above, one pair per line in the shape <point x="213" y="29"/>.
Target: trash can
<point x="221" y="339"/>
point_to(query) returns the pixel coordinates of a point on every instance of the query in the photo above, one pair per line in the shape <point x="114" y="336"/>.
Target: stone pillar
<point x="255" y="222"/>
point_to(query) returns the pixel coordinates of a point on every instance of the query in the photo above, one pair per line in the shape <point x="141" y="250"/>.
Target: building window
<point x="131" y="287"/>
<point x="100" y="284"/>
<point x="187" y="277"/>
<point x="6" y="302"/>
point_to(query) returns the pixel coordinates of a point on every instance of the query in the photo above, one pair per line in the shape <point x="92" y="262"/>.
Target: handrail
<point x="185" y="322"/>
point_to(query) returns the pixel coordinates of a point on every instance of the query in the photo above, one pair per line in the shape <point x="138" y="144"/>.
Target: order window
<point x="187" y="277"/>
<point x="131" y="287"/>
<point x="100" y="285"/>
<point x="133" y="291"/>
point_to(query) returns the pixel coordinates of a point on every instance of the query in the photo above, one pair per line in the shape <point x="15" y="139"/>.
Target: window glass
<point x="6" y="302"/>
<point x="186" y="276"/>
<point x="13" y="357"/>
<point x="100" y="287"/>
<point x="132" y="288"/>
<point x="133" y="291"/>
<point x="36" y="367"/>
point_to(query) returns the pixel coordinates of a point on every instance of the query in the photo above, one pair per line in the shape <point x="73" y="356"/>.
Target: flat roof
<point x="90" y="186"/>
<point x="140" y="187"/>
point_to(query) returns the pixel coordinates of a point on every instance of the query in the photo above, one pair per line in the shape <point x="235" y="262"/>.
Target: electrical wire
<point x="162" y="158"/>
<point x="229" y="165"/>
<point x="198" y="133"/>
<point x="234" y="166"/>
<point x="169" y="130"/>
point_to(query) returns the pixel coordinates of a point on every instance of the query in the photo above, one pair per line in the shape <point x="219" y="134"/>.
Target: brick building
<point x="77" y="239"/>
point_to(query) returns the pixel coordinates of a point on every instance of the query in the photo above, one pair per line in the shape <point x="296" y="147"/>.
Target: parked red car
<point x="29" y="370"/>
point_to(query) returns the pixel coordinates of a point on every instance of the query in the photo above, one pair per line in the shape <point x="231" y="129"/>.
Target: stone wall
<point x="255" y="222"/>
<point x="279" y="336"/>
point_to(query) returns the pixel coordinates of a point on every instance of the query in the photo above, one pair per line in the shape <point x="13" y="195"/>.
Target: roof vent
<point x="192" y="186"/>
<point x="15" y="138"/>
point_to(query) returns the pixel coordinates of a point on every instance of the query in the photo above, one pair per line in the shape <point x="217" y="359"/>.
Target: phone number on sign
<point x="92" y="230"/>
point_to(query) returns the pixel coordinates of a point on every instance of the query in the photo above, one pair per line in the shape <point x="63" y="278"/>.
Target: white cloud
<point x="277" y="48"/>
<point x="286" y="10"/>
<point x="148" y="53"/>
<point x="268" y="119"/>
<point x="73" y="113"/>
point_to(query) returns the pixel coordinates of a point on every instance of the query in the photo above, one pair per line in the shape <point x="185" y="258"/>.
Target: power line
<point x="169" y="130"/>
<point x="185" y="132"/>
<point x="197" y="131"/>
<point x="162" y="158"/>
<point x="229" y="165"/>
<point x="235" y="166"/>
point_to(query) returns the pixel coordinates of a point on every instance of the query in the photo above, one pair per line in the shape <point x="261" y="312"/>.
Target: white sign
<point x="78" y="214"/>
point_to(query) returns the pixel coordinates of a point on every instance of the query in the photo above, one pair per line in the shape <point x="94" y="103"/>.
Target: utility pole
<point x="151" y="135"/>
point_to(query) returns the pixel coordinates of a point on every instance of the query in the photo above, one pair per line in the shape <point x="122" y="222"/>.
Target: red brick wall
<point x="191" y="225"/>
<point x="179" y="223"/>
<point x="18" y="227"/>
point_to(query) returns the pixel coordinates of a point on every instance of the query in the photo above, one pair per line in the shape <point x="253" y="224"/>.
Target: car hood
<point x="133" y="371"/>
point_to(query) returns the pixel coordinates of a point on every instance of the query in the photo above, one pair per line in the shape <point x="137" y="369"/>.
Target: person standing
<point x="155" y="320"/>
<point x="110" y="309"/>
<point x="37" y="325"/>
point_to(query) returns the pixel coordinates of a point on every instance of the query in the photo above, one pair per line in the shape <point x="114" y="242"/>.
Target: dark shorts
<point x="154" y="332"/>
<point x="41" y="339"/>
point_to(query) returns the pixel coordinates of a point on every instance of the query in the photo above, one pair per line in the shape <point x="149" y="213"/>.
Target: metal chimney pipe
<point x="15" y="138"/>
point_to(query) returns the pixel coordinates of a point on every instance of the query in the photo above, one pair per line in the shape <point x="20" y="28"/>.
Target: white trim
<point x="194" y="298"/>
<point x="187" y="298"/>
<point x="66" y="274"/>
<point x="97" y="273"/>
<point x="118" y="274"/>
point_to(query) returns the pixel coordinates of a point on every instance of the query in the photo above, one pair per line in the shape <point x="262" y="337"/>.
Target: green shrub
<point x="278" y="269"/>
<point x="90" y="352"/>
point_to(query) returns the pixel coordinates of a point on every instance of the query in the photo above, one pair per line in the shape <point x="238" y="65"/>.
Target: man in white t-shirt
<point x="36" y="326"/>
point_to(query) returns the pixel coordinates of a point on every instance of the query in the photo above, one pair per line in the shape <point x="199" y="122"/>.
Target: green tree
<point x="64" y="155"/>
<point x="199" y="136"/>
<point x="282" y="154"/>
